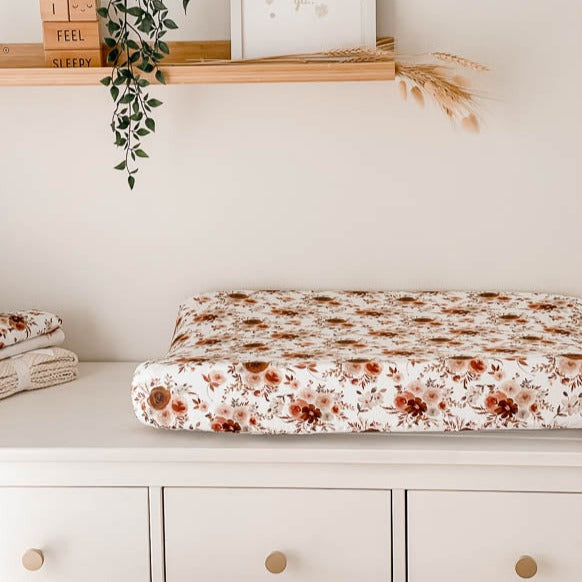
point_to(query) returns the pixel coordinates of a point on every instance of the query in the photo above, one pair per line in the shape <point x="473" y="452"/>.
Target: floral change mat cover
<point x="351" y="361"/>
<point x="20" y="326"/>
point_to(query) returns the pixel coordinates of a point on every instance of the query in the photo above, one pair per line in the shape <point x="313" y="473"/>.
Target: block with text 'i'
<point x="56" y="10"/>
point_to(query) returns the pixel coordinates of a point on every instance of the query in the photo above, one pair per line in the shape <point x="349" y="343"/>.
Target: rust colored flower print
<point x="18" y="322"/>
<point x="159" y="398"/>
<point x="415" y="407"/>
<point x="506" y="407"/>
<point x="310" y="413"/>
<point x="231" y="426"/>
<point x="256" y="367"/>
<point x="313" y="362"/>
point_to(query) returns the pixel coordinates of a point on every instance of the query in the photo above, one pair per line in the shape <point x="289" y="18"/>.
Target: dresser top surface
<point x="92" y="419"/>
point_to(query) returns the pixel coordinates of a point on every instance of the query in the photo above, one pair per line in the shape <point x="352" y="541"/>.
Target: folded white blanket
<point x="19" y="326"/>
<point x="48" y="340"/>
<point x="37" y="369"/>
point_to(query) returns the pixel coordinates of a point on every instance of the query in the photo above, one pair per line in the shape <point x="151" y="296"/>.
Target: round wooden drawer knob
<point x="276" y="562"/>
<point x="32" y="560"/>
<point x="526" y="567"/>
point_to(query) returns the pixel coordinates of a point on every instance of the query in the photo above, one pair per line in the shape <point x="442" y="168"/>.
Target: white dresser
<point x="87" y="493"/>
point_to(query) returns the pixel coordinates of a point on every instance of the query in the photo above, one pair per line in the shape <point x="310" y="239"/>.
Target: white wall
<point x="339" y="185"/>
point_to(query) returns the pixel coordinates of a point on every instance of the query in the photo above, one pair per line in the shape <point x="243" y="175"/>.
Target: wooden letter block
<point x="83" y="10"/>
<point x="71" y="35"/>
<point x="73" y="59"/>
<point x="54" y="9"/>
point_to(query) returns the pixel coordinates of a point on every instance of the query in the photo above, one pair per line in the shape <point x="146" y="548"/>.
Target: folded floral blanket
<point x="19" y="326"/>
<point x="47" y="340"/>
<point x="37" y="369"/>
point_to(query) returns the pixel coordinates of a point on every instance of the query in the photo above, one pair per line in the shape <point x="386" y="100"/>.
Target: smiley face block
<point x="82" y="10"/>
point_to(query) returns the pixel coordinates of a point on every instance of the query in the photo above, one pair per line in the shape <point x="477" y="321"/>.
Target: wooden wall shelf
<point x="23" y="64"/>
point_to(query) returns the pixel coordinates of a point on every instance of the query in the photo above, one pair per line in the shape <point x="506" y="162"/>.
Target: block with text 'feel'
<point x="71" y="35"/>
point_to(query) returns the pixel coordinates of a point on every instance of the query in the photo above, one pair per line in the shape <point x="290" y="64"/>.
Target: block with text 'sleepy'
<point x="71" y="35"/>
<point x="54" y="10"/>
<point x="73" y="59"/>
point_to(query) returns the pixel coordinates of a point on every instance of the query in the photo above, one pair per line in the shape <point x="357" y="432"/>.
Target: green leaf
<point x="170" y="24"/>
<point x="141" y="154"/>
<point x="136" y="11"/>
<point x="155" y="103"/>
<point x="142" y="132"/>
<point x="185" y="3"/>
<point x="164" y="47"/>
<point x="131" y="182"/>
<point x="102" y="12"/>
<point x="160" y="77"/>
<point x="120" y="166"/>
<point x="106" y="81"/>
<point x="147" y="24"/>
<point x="146" y="67"/>
<point x="110" y="42"/>
<point x="112" y="56"/>
<point x="132" y="44"/>
<point x="114" y="93"/>
<point x="150" y="124"/>
<point x="112" y="27"/>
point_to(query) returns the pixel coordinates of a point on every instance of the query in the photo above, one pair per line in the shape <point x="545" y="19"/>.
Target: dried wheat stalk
<point x="452" y="95"/>
<point x="460" y="61"/>
<point x="384" y="52"/>
<point x="351" y="55"/>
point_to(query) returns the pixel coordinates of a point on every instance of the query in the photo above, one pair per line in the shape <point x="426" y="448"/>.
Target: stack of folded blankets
<point x="29" y="358"/>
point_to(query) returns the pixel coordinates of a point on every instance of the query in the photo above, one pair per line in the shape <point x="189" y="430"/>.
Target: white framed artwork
<point x="262" y="28"/>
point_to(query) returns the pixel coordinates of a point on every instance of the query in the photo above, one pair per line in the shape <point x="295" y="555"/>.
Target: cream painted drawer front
<point x="480" y="536"/>
<point x="83" y="534"/>
<point x="215" y="535"/>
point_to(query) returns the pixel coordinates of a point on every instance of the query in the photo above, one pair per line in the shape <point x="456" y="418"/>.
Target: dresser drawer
<point x="482" y="537"/>
<point x="312" y="535"/>
<point x="74" y="534"/>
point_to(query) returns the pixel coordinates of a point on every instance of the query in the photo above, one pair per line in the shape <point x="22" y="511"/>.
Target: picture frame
<point x="263" y="28"/>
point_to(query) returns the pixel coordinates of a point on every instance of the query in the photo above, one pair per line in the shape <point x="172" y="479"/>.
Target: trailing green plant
<point x="135" y="50"/>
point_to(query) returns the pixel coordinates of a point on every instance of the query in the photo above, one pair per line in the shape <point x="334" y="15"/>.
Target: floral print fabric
<point x="19" y="326"/>
<point x="351" y="361"/>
